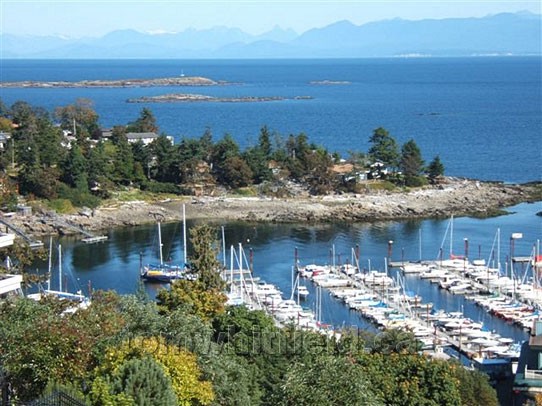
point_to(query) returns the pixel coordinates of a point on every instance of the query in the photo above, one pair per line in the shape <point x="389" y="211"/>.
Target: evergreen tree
<point x="383" y="148"/>
<point x="435" y="169"/>
<point x="74" y="169"/>
<point x="145" y="382"/>
<point x="265" y="142"/>
<point x="166" y="162"/>
<point x="203" y="261"/>
<point x="146" y="123"/>
<point x="411" y="163"/>
<point x="124" y="161"/>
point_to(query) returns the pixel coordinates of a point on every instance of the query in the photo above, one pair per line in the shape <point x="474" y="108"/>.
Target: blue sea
<point x="483" y="116"/>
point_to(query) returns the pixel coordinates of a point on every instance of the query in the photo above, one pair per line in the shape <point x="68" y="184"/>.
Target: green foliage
<point x="395" y="341"/>
<point x="161" y="187"/>
<point x="474" y="387"/>
<point x="408" y="379"/>
<point x="79" y="116"/>
<point x="77" y="197"/>
<point x="63" y="206"/>
<point x="179" y="366"/>
<point x="203" y="260"/>
<point x="74" y="170"/>
<point x="435" y="169"/>
<point x="328" y="380"/>
<point x="193" y="296"/>
<point x="235" y="173"/>
<point x="411" y="163"/>
<point x="146" y="122"/>
<point x="383" y="148"/>
<point x="145" y="382"/>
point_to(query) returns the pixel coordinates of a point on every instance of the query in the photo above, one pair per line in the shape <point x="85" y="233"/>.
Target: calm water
<point x="482" y="115"/>
<point x="115" y="264"/>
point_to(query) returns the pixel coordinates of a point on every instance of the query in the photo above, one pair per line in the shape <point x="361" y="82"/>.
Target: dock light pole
<point x="390" y="243"/>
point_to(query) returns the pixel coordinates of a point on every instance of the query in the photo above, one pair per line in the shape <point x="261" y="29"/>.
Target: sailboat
<point x="81" y="300"/>
<point x="164" y="273"/>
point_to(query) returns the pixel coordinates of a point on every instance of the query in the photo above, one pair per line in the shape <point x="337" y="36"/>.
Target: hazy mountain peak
<point x="504" y="33"/>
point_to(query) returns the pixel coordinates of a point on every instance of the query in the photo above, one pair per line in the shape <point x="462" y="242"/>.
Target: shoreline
<point x="157" y="82"/>
<point x="456" y="197"/>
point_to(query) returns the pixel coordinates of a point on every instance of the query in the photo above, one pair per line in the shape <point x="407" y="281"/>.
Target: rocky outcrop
<point x="175" y="81"/>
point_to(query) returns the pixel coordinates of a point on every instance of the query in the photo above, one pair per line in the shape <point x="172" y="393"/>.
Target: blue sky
<point x="93" y="18"/>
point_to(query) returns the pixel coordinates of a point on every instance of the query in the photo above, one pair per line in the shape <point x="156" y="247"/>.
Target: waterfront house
<point x="145" y="138"/>
<point x="528" y="379"/>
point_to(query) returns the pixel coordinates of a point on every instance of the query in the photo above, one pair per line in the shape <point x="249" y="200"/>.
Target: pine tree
<point x="411" y="163"/>
<point x="384" y="147"/>
<point x="435" y="169"/>
<point x="145" y="382"/>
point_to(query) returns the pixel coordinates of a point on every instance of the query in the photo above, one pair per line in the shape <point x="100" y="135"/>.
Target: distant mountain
<point x="501" y="34"/>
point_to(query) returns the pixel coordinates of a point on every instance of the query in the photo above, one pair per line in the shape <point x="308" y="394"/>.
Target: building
<point x="528" y="379"/>
<point x="145" y="138"/>
<point x="10" y="285"/>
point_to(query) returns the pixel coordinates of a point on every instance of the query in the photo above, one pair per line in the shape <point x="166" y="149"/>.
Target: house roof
<point x="139" y="136"/>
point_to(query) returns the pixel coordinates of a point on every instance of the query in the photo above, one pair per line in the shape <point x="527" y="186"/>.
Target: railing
<point x="533" y="373"/>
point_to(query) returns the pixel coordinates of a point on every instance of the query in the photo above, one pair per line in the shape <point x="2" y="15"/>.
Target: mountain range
<point x="499" y="34"/>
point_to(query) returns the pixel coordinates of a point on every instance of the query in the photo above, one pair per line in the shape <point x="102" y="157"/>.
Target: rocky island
<point x="329" y="82"/>
<point x="189" y="98"/>
<point x="159" y="82"/>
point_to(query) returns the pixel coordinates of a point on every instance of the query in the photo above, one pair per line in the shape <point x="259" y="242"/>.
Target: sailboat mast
<point x="50" y="262"/>
<point x="160" y="244"/>
<point x="184" y="232"/>
<point x="223" y="247"/>
<point x="451" y="235"/>
<point x="59" y="268"/>
<point x="499" y="251"/>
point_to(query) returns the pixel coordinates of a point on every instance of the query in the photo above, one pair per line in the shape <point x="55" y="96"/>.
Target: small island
<point x="157" y="82"/>
<point x="329" y="82"/>
<point x="189" y="98"/>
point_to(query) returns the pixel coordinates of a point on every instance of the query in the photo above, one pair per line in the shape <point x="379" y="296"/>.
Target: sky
<point x="94" y="18"/>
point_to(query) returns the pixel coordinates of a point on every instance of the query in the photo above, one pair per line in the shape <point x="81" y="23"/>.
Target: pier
<point x="34" y="244"/>
<point x="89" y="237"/>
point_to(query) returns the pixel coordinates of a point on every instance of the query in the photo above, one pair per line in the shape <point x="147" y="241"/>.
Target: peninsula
<point x="190" y="98"/>
<point x="460" y="197"/>
<point x="158" y="82"/>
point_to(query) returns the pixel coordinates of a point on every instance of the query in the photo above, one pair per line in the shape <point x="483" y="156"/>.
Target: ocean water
<point x="483" y="116"/>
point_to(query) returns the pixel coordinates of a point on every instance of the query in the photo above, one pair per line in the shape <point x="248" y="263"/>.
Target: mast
<point x="59" y="268"/>
<point x="499" y="250"/>
<point x="184" y="234"/>
<point x="160" y="244"/>
<point x="451" y="235"/>
<point x="50" y="262"/>
<point x="223" y="247"/>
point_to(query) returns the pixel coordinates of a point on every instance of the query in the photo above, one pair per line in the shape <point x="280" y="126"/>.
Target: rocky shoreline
<point x="158" y="82"/>
<point x="457" y="197"/>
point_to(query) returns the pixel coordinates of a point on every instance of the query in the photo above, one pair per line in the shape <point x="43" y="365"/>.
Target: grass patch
<point x="245" y="191"/>
<point x="381" y="185"/>
<point x="62" y="206"/>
